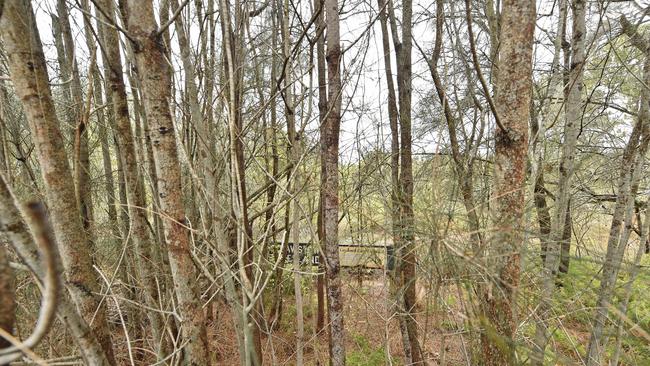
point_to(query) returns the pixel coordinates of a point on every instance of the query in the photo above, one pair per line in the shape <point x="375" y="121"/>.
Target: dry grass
<point x="371" y="331"/>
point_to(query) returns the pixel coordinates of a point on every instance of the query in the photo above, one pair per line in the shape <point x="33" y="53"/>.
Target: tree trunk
<point x="543" y="214"/>
<point x="18" y="232"/>
<point x="513" y="96"/>
<point x="243" y="231"/>
<point x="29" y="74"/>
<point x="156" y="92"/>
<point x="103" y="119"/>
<point x="406" y="247"/>
<point x="7" y="285"/>
<point x="7" y="300"/>
<point x="565" y="249"/>
<point x="572" y="129"/>
<point x="633" y="268"/>
<point x="330" y="185"/>
<point x="295" y="152"/>
<point x="396" y="221"/>
<point x="81" y="150"/>
<point x="322" y="117"/>
<point x="144" y="243"/>
<point x="623" y="216"/>
<point x="538" y="132"/>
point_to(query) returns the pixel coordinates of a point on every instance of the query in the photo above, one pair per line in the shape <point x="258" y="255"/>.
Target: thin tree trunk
<point x="272" y="163"/>
<point x="103" y="118"/>
<point x="205" y="146"/>
<point x="65" y="75"/>
<point x="295" y="152"/>
<point x="7" y="285"/>
<point x="242" y="233"/>
<point x="543" y="214"/>
<point x="631" y="173"/>
<point x="5" y="165"/>
<point x="406" y="249"/>
<point x="513" y="95"/>
<point x="540" y="192"/>
<point x="81" y="161"/>
<point x="396" y="221"/>
<point x="392" y="117"/>
<point x="146" y="266"/>
<point x="297" y="279"/>
<point x="493" y="18"/>
<point x="7" y="298"/>
<point x="322" y="117"/>
<point x="572" y="128"/>
<point x="461" y="162"/>
<point x="565" y="248"/>
<point x="634" y="269"/>
<point x="330" y="185"/>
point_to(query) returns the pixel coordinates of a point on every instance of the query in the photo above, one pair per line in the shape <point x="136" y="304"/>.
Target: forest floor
<point x="373" y="336"/>
<point x="371" y="333"/>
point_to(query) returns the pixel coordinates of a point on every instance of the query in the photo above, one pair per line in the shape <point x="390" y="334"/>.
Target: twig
<point x="172" y="18"/>
<point x="45" y="240"/>
<point x="119" y="312"/>
<point x="477" y="66"/>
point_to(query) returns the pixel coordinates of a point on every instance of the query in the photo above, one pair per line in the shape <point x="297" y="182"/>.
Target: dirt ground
<point x="371" y="332"/>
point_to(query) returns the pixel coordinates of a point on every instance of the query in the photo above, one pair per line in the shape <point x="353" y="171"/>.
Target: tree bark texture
<point x="330" y="185"/>
<point x="513" y="96"/>
<point x="156" y="93"/>
<point x="31" y="82"/>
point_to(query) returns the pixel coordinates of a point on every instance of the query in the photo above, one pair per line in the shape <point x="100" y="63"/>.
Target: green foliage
<point x="365" y="355"/>
<point x="579" y="292"/>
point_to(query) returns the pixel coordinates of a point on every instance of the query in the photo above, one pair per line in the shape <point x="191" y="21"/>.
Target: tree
<point x="623" y="216"/>
<point x="30" y="78"/>
<point x="7" y="298"/>
<point x="329" y="141"/>
<point x="156" y="91"/>
<point x="144" y="243"/>
<point x="399" y="114"/>
<point x="196" y="143"/>
<point x="513" y="94"/>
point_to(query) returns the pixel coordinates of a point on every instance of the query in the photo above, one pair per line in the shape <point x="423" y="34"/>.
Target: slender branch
<point x="172" y="18"/>
<point x="45" y="240"/>
<point x="255" y="12"/>
<point x="110" y="21"/>
<point x="477" y="66"/>
<point x="630" y="30"/>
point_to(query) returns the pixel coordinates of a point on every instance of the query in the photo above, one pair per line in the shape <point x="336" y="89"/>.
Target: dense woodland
<point x="360" y="182"/>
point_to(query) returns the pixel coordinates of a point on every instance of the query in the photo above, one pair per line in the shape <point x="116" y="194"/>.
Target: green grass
<point x="576" y="299"/>
<point x="366" y="355"/>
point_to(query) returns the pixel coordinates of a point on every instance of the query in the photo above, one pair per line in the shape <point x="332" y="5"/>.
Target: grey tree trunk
<point x="242" y="231"/>
<point x="572" y="128"/>
<point x="634" y="269"/>
<point x="322" y="118"/>
<point x="103" y="119"/>
<point x="295" y="152"/>
<point x="81" y="156"/>
<point x="146" y="266"/>
<point x="330" y="185"/>
<point x="623" y="216"/>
